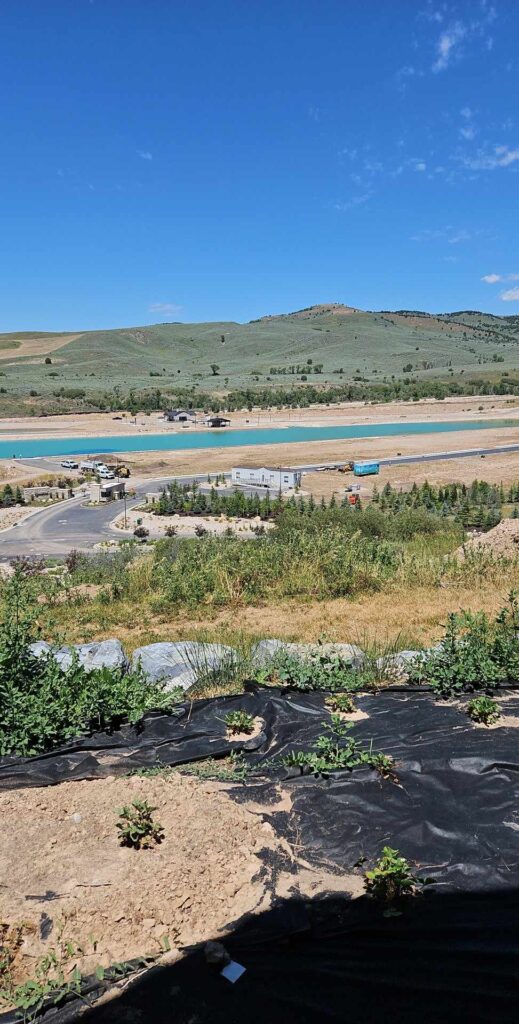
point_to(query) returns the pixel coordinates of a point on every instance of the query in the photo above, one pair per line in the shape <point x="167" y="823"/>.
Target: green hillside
<point x="326" y="344"/>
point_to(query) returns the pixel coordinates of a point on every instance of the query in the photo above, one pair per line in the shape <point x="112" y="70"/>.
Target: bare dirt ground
<point x="37" y="346"/>
<point x="186" y="525"/>
<point x="495" y="469"/>
<point x="62" y="868"/>
<point x="150" y="465"/>
<point x="92" y="424"/>
<point x="502" y="540"/>
<point x="61" y="862"/>
<point x="11" y="516"/>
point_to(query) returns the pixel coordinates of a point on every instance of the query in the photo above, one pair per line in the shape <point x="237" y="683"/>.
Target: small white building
<point x="274" y="478"/>
<point x="107" y="491"/>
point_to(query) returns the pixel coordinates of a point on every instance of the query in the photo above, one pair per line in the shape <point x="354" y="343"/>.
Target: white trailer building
<point x="274" y="478"/>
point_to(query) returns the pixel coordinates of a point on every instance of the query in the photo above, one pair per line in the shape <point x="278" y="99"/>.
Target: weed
<point x="483" y="709"/>
<point x="391" y="880"/>
<point x="341" y="702"/>
<point x="41" y="704"/>
<point x="239" y="721"/>
<point x="56" y="976"/>
<point x="474" y="654"/>
<point x="321" y="670"/>
<point x="233" y="768"/>
<point x="335" y="750"/>
<point x="137" y="828"/>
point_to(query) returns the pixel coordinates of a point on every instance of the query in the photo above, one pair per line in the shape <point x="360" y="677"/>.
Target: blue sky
<point x="184" y="160"/>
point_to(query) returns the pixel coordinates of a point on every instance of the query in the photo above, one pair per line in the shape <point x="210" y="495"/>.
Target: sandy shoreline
<point x="103" y="424"/>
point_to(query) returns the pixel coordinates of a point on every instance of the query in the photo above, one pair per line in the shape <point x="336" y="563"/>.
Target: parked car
<point x="69" y="464"/>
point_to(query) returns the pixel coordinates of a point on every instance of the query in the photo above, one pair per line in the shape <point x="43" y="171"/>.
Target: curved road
<point x="72" y="524"/>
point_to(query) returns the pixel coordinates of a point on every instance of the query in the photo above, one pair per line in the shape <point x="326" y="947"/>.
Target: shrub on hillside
<point x="474" y="653"/>
<point x="42" y="705"/>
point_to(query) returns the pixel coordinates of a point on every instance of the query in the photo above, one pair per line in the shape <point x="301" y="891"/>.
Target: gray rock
<point x="396" y="664"/>
<point x="266" y="650"/>
<point x="180" y="664"/>
<point x="39" y="648"/>
<point x="103" y="654"/>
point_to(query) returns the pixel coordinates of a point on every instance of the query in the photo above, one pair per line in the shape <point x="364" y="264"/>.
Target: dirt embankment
<point x="503" y="539"/>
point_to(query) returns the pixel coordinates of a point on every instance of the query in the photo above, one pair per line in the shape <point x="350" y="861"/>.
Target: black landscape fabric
<point x="452" y="809"/>
<point x="452" y="955"/>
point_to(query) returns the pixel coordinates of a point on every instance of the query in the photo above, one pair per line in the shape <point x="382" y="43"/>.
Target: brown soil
<point x="38" y="346"/>
<point x="61" y="857"/>
<point x="502" y="540"/>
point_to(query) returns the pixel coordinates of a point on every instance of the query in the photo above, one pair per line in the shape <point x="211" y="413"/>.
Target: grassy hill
<point x="326" y="344"/>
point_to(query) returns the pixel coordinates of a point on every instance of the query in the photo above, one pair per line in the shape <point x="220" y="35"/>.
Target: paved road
<point x="72" y="524"/>
<point x="464" y="453"/>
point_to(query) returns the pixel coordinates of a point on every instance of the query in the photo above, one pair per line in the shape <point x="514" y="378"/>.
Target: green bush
<point x="336" y="750"/>
<point x="319" y="671"/>
<point x="474" y="654"/>
<point x="137" y="828"/>
<point x="483" y="709"/>
<point x="391" y="880"/>
<point x="42" y="705"/>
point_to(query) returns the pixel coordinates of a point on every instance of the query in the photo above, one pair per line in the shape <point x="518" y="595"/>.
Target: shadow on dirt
<point x="448" y="957"/>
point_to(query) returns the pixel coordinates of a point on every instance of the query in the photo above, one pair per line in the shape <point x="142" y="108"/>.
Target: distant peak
<point x="320" y="309"/>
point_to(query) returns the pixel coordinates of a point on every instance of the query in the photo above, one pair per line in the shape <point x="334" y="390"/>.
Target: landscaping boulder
<point x="100" y="654"/>
<point x="396" y="665"/>
<point x="266" y="650"/>
<point x="183" y="663"/>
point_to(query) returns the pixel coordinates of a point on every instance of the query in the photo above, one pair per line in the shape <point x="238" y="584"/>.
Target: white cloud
<point x="468" y="132"/>
<point x="448" y="46"/>
<point x="354" y="201"/>
<point x="164" y="307"/>
<point x="447" y="234"/>
<point x="489" y="160"/>
<point x="494" y="278"/>
<point x="512" y="295"/>
<point x="145" y="154"/>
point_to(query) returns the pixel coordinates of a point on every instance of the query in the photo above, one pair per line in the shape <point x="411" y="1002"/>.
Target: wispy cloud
<point x="468" y="129"/>
<point x="448" y="46"/>
<point x="349" y="204"/>
<point x="490" y="159"/>
<point x="456" y="34"/>
<point x="314" y="113"/>
<point x="145" y="154"/>
<point x="447" y="234"/>
<point x="164" y="307"/>
<point x="496" y="278"/>
<point x="511" y="295"/>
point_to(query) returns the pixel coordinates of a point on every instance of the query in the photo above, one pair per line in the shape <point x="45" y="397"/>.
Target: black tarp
<point x="452" y="811"/>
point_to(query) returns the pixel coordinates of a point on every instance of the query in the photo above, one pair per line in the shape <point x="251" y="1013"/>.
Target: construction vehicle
<point x="347" y="467"/>
<point x="123" y="472"/>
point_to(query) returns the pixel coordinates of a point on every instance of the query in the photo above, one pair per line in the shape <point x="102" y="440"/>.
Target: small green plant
<point x="341" y="702"/>
<point x="321" y="670"/>
<point x="239" y="721"/>
<point x="336" y="750"/>
<point x="392" y="880"/>
<point x="483" y="709"/>
<point x="233" y="768"/>
<point x="137" y="828"/>
<point x="56" y="974"/>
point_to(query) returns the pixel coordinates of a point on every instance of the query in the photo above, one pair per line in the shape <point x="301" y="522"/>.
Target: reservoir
<point x="214" y="438"/>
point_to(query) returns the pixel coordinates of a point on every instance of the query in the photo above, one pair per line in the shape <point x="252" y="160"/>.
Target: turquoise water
<point x="27" y="449"/>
